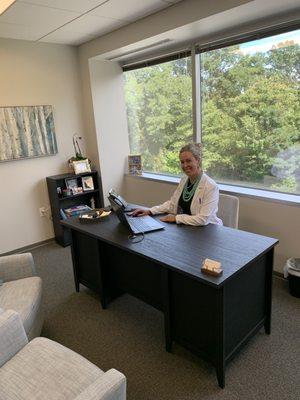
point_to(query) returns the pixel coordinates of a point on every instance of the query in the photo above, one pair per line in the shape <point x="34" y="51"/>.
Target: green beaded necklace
<point x="189" y="190"/>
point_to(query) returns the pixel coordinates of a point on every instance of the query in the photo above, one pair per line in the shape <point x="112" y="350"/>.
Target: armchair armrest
<point x="16" y="266"/>
<point x="12" y="335"/>
<point x="109" y="386"/>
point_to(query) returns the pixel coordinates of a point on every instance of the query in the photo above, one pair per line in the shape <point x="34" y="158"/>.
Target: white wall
<point x="35" y="74"/>
<point x="110" y="123"/>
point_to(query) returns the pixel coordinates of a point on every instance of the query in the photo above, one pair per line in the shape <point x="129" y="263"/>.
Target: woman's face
<point x="189" y="164"/>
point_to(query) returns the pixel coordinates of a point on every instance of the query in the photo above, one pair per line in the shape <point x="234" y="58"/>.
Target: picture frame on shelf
<point x="71" y="183"/>
<point x="81" y="166"/>
<point x="87" y="183"/>
<point x="135" y="164"/>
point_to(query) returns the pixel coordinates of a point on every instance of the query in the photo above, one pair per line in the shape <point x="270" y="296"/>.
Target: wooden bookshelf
<point x="56" y="184"/>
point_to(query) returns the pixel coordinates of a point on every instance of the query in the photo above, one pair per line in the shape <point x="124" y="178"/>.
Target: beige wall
<point x="33" y="74"/>
<point x="267" y="218"/>
<point x="110" y="123"/>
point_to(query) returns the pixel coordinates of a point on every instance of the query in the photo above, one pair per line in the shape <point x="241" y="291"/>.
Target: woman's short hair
<point x="194" y="148"/>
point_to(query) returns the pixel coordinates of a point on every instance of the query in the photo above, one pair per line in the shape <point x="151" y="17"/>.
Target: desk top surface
<point x="183" y="247"/>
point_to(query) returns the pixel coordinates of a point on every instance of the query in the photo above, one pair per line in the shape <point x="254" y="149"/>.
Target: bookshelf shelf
<point x="56" y="185"/>
<point x="78" y="195"/>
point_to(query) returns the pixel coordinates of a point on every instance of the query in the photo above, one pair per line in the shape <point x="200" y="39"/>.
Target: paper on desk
<point x="105" y="214"/>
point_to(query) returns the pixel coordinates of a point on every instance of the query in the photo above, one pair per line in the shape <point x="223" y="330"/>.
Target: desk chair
<point x="229" y="210"/>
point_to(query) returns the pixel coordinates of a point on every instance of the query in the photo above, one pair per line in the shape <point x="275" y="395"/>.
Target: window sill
<point x="266" y="195"/>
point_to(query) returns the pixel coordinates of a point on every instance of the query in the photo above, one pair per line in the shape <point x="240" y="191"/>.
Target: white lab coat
<point x="204" y="205"/>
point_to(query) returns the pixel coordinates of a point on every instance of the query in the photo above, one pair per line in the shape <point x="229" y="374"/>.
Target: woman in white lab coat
<point x="195" y="200"/>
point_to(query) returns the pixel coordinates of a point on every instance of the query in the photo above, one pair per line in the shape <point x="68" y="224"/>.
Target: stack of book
<point x="74" y="211"/>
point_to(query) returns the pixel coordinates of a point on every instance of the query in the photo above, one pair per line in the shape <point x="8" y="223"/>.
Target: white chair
<point x="45" y="370"/>
<point x="229" y="210"/>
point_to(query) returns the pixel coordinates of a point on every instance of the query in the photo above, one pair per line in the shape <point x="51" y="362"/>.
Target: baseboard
<point x="29" y="247"/>
<point x="278" y="274"/>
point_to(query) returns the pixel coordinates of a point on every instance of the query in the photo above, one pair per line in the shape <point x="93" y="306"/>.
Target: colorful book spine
<point x="76" y="210"/>
<point x="62" y="214"/>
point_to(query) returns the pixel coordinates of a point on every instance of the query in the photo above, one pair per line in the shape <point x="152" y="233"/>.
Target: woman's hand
<point x="168" y="218"/>
<point x="140" y="212"/>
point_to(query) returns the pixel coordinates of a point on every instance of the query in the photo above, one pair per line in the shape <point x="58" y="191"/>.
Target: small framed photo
<point x="81" y="166"/>
<point x="77" y="190"/>
<point x="87" y="183"/>
<point x="135" y="165"/>
<point x="71" y="184"/>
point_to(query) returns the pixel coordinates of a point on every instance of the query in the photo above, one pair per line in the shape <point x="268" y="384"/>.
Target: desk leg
<point x="102" y="290"/>
<point x="165" y="287"/>
<point x="268" y="290"/>
<point x="220" y="364"/>
<point x="74" y="263"/>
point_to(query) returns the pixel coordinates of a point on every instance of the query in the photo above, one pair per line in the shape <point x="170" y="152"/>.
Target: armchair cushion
<point x="12" y="335"/>
<point x="110" y="386"/>
<point x="24" y="296"/>
<point x="46" y="370"/>
<point x="16" y="266"/>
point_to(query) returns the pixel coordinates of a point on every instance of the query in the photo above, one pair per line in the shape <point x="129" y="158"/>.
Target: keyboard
<point x="143" y="224"/>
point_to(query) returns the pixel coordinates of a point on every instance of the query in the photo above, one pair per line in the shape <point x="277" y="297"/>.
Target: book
<point x="76" y="210"/>
<point x="62" y="214"/>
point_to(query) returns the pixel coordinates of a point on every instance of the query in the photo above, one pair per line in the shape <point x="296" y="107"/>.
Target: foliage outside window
<point x="250" y="113"/>
<point x="159" y="113"/>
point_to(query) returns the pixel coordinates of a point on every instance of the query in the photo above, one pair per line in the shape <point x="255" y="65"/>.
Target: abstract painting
<point x="26" y="132"/>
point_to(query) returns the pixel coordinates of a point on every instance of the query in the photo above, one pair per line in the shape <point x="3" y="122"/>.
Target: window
<point x="159" y="113"/>
<point x="250" y="113"/>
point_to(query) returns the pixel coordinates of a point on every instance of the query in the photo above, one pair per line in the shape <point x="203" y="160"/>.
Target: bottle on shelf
<point x="93" y="204"/>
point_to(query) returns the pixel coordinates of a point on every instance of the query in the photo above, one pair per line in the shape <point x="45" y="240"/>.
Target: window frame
<point x="194" y="52"/>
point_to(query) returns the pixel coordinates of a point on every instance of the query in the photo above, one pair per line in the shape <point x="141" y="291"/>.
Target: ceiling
<point x="73" y="22"/>
<point x="244" y="19"/>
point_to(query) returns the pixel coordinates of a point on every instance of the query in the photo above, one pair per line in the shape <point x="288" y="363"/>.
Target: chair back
<point x="229" y="210"/>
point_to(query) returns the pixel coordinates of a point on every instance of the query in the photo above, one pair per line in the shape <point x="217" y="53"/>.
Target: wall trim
<point x="29" y="247"/>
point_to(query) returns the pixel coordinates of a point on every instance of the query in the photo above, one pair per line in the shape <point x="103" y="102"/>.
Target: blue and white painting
<point x="26" y="132"/>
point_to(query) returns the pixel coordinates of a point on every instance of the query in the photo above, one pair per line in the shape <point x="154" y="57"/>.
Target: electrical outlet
<point x="43" y="211"/>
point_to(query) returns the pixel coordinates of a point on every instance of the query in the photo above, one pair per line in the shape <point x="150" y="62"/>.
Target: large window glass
<point x="251" y="113"/>
<point x="159" y="112"/>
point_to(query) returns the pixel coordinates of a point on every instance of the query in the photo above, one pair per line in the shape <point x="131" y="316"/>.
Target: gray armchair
<point x="21" y="291"/>
<point x="45" y="370"/>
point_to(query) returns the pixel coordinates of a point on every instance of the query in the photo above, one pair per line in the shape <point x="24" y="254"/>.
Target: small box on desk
<point x="211" y="267"/>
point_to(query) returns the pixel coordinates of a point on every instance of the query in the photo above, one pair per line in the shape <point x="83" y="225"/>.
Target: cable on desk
<point x="136" y="238"/>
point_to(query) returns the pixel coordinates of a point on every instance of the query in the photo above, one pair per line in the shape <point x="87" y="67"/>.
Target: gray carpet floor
<point x="129" y="336"/>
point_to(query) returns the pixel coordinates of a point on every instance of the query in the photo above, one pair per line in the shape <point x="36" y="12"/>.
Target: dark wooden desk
<point x="212" y="316"/>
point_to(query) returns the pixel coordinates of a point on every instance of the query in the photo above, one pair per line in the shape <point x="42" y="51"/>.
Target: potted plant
<point x="78" y="153"/>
